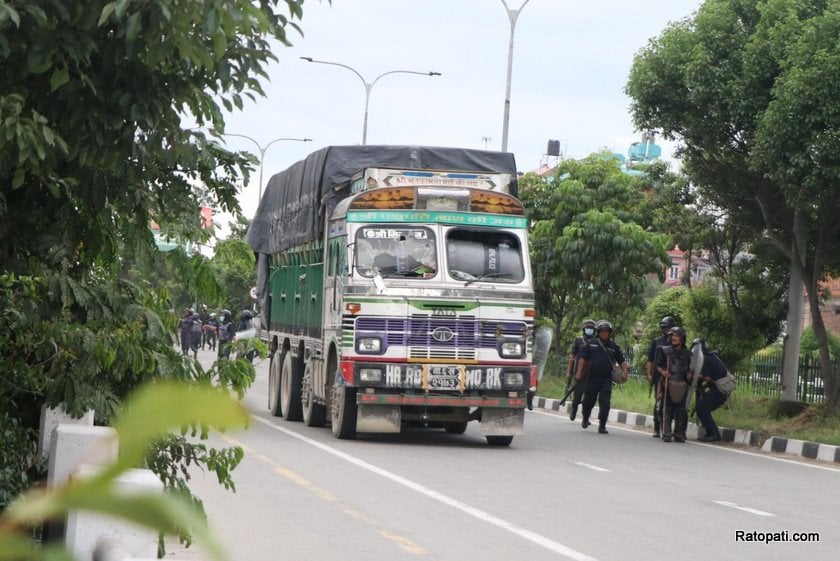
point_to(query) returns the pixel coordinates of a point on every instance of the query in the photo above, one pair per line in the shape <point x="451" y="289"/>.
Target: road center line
<point x="533" y="537"/>
<point x="590" y="466"/>
<point x="744" y="508"/>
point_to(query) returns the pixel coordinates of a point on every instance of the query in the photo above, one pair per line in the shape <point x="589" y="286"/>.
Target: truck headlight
<point x="513" y="379"/>
<point x="369" y="345"/>
<point x="370" y="375"/>
<point x="512" y="349"/>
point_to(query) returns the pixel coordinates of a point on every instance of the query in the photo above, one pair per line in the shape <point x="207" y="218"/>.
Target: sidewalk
<point x="778" y="444"/>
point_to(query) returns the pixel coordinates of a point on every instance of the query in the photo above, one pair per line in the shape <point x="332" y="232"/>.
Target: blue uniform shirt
<point x="600" y="362"/>
<point x="713" y="366"/>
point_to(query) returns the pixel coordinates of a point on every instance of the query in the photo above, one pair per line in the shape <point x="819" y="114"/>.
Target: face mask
<point x="589" y="332"/>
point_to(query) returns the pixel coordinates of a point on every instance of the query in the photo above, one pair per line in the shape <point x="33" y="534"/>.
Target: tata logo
<point x="442" y="334"/>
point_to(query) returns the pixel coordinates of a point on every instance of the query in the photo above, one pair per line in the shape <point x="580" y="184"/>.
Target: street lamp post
<point x="368" y="85"/>
<point x="513" y="15"/>
<point x="262" y="150"/>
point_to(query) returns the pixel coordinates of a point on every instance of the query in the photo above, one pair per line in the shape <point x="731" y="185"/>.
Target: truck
<point x="395" y="289"/>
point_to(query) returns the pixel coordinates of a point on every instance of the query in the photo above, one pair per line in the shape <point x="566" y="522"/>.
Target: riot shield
<point x="542" y="344"/>
<point x="696" y="365"/>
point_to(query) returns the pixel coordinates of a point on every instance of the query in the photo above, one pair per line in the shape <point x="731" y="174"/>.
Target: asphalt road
<point x="558" y="492"/>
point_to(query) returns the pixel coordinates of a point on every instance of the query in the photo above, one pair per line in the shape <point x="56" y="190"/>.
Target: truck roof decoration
<point x="419" y="198"/>
<point x="295" y="202"/>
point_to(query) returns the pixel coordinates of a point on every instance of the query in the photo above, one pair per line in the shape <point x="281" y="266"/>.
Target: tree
<point x="93" y="100"/>
<point x="744" y="85"/>
<point x="233" y="261"/>
<point x="591" y="251"/>
<point x="751" y="279"/>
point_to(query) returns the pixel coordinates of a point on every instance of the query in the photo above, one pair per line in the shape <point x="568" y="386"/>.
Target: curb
<point x="805" y="449"/>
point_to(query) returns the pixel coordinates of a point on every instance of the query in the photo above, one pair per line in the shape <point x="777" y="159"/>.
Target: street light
<point x="368" y="85"/>
<point x="512" y="16"/>
<point x="262" y="150"/>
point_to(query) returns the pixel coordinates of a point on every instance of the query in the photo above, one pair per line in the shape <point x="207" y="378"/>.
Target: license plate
<point x="443" y="377"/>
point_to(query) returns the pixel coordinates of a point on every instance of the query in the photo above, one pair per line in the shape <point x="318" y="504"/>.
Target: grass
<point x="741" y="411"/>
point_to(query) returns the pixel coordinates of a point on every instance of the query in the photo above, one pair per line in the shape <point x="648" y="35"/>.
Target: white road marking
<point x="590" y="466"/>
<point x="744" y="508"/>
<point x="728" y="449"/>
<point x="533" y="537"/>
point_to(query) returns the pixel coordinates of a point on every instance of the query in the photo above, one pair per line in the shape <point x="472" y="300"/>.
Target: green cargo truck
<point x="395" y="288"/>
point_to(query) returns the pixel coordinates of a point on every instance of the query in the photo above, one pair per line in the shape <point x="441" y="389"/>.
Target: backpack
<point x="726" y="385"/>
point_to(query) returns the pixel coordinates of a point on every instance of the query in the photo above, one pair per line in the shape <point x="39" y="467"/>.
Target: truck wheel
<point x="455" y="427"/>
<point x="314" y="414"/>
<point x="343" y="412"/>
<point x="274" y="371"/>
<point x="499" y="440"/>
<point x="290" y="383"/>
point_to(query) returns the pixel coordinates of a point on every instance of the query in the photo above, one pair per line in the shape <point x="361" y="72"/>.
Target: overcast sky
<point x="570" y="65"/>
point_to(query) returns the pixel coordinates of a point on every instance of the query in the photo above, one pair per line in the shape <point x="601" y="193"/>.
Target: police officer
<point x="713" y="369"/>
<point x="654" y="379"/>
<point x="588" y="327"/>
<point x="227" y="330"/>
<point x="673" y="363"/>
<point x="597" y="359"/>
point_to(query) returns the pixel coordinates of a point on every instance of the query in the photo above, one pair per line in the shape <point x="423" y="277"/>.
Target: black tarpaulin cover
<point x="291" y="211"/>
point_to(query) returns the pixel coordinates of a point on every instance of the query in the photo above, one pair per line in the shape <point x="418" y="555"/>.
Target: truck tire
<point x="274" y="372"/>
<point x="455" y="427"/>
<point x="498" y="440"/>
<point x="290" y="384"/>
<point x="343" y="412"/>
<point x="314" y="414"/>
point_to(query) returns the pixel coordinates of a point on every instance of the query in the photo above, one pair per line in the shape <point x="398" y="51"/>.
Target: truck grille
<point x="438" y="338"/>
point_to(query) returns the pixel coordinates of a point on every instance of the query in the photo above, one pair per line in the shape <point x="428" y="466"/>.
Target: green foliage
<point x="726" y="83"/>
<point x="705" y="314"/>
<point x="808" y="345"/>
<point x="151" y="412"/>
<point x="233" y="262"/>
<point x="92" y="149"/>
<point x="592" y="252"/>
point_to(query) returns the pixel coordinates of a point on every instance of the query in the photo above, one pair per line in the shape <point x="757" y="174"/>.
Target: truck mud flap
<point x="502" y="422"/>
<point x="378" y="418"/>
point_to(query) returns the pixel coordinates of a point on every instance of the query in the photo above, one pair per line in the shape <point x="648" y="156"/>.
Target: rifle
<point x="569" y="389"/>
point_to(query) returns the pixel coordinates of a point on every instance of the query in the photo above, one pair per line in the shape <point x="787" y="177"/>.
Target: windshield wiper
<point x="487" y="276"/>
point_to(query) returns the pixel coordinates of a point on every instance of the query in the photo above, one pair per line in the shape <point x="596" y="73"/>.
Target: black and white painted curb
<point x="812" y="450"/>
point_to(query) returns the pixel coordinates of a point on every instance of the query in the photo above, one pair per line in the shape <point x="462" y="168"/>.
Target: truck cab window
<point x="396" y="252"/>
<point x="484" y="255"/>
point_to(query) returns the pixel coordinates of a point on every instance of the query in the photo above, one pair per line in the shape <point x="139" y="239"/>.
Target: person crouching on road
<point x="673" y="364"/>
<point x="574" y="354"/>
<point x="712" y="397"/>
<point x="596" y="360"/>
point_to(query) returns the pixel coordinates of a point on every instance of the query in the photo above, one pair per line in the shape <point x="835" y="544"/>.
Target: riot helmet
<point x="246" y="315"/>
<point x="679" y="332"/>
<point x="588" y="327"/>
<point x="667" y="322"/>
<point x="603" y="324"/>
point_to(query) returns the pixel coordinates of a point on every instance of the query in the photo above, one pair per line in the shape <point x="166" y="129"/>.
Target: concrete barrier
<point x="74" y="445"/>
<point x="52" y="417"/>
<point x="115" y="537"/>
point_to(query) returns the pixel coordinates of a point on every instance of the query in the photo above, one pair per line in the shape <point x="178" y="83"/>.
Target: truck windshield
<point x="484" y="255"/>
<point x="396" y="251"/>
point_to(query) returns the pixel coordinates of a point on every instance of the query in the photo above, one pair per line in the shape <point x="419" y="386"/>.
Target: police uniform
<point x="712" y="397"/>
<point x="655" y="347"/>
<point x="577" y="395"/>
<point x="599" y="380"/>
<point x="676" y="360"/>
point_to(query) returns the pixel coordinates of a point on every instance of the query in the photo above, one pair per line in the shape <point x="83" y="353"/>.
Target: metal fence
<point x="760" y="375"/>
